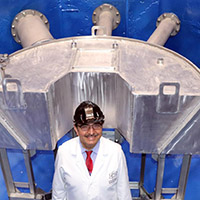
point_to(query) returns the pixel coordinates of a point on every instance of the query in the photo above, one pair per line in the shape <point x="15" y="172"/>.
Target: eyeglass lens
<point x="87" y="127"/>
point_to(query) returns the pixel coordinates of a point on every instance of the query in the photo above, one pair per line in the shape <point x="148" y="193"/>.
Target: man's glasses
<point x="87" y="127"/>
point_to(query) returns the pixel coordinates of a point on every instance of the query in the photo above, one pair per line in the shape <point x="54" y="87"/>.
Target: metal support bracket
<point x="178" y="192"/>
<point x="12" y="187"/>
<point x="159" y="178"/>
<point x="184" y="176"/>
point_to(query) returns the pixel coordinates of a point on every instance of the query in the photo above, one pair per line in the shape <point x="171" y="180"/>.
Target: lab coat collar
<point x="102" y="153"/>
<point x="78" y="148"/>
<point x="95" y="149"/>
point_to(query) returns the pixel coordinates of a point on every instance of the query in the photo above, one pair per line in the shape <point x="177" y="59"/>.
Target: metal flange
<point x="173" y="17"/>
<point x="20" y="17"/>
<point x="110" y="8"/>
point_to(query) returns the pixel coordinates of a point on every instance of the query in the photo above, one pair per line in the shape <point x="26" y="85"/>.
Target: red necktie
<point x="89" y="162"/>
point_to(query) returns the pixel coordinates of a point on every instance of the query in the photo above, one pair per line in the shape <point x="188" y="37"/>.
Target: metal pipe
<point x="168" y="24"/>
<point x="106" y="16"/>
<point x="30" y="27"/>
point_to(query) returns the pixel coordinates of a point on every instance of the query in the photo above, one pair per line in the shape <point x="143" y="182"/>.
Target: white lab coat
<point x="109" y="178"/>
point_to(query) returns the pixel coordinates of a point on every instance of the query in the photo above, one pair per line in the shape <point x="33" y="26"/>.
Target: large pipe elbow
<point x="30" y="27"/>
<point x="168" y="24"/>
<point x="106" y="16"/>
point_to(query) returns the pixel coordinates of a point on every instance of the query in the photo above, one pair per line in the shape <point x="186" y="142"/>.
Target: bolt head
<point x="158" y="20"/>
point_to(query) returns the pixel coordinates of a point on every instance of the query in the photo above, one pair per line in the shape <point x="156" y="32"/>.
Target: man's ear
<point x="76" y="129"/>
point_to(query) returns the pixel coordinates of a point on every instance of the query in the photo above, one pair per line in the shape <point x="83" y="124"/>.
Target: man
<point x="90" y="167"/>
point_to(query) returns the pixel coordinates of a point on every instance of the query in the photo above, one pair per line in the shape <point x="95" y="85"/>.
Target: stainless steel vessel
<point x="149" y="93"/>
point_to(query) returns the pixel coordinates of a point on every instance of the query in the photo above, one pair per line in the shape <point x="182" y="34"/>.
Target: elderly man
<point x="90" y="167"/>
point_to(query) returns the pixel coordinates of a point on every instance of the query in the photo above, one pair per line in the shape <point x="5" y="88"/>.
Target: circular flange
<point x="173" y="17"/>
<point x="23" y="14"/>
<point x="110" y="8"/>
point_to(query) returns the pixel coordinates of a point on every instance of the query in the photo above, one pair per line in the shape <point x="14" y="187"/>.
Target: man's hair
<point x="88" y="112"/>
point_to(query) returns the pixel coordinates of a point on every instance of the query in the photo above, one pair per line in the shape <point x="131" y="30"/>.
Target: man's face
<point x="89" y="134"/>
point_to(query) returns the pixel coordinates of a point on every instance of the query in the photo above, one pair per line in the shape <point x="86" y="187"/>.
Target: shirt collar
<point x="95" y="149"/>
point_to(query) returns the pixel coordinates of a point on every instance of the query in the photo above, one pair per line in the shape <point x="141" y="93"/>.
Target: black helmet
<point x="88" y="112"/>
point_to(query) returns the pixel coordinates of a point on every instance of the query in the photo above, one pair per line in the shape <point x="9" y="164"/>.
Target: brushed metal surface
<point x="149" y="93"/>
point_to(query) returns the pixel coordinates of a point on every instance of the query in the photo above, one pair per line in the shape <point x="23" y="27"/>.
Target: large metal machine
<point x="150" y="94"/>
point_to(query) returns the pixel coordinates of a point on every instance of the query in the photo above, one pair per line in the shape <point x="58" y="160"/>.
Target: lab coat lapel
<point x="102" y="153"/>
<point x="80" y="161"/>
